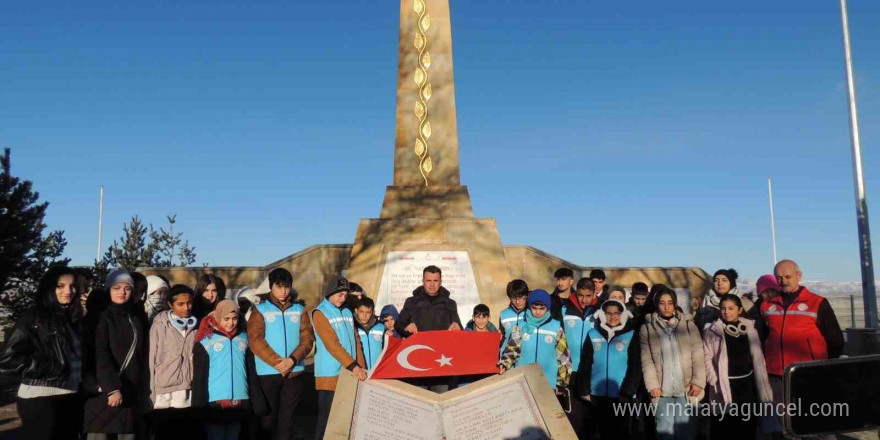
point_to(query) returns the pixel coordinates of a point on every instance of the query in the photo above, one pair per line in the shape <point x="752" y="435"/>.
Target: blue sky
<point x="605" y="132"/>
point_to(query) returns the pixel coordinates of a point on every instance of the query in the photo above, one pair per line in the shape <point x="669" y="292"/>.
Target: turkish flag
<point x="438" y="353"/>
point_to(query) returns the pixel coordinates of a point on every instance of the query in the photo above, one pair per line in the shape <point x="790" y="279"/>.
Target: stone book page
<point x="504" y="410"/>
<point x="385" y="414"/>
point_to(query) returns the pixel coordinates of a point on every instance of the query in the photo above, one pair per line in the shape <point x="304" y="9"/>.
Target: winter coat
<point x="170" y="357"/>
<point x="715" y="349"/>
<point x="626" y="358"/>
<point x="117" y="330"/>
<point x="427" y="312"/>
<point x="690" y="346"/>
<point x="39" y="349"/>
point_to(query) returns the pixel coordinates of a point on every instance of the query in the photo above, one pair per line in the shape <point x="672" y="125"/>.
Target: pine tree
<point x="25" y="252"/>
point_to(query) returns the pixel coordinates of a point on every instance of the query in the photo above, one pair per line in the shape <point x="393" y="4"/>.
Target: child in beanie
<point x="220" y="380"/>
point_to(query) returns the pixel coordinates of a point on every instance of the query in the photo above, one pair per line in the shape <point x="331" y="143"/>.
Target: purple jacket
<point x="715" y="350"/>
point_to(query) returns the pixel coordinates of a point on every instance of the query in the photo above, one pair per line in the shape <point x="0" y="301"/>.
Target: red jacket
<point x="793" y="335"/>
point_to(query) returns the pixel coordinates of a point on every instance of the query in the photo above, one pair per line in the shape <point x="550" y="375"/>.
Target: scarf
<point x="182" y="324"/>
<point x="712" y="299"/>
<point x="536" y="322"/>
<point x="153" y="305"/>
<point x="668" y="324"/>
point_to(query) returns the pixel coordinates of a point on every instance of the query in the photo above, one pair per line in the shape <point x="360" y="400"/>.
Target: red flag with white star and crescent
<point x="438" y="353"/>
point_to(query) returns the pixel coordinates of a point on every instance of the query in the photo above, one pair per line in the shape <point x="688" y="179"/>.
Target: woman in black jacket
<point x="45" y="351"/>
<point x="119" y="364"/>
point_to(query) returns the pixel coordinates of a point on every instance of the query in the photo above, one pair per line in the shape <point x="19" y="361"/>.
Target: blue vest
<point x="509" y="320"/>
<point x="342" y="322"/>
<point x="609" y="363"/>
<point x="539" y="347"/>
<point x="227" y="373"/>
<point x="372" y="343"/>
<point x="282" y="334"/>
<point x="576" y="329"/>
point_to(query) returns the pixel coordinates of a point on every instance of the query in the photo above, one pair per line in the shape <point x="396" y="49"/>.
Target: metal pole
<point x="852" y="310"/>
<point x="100" y="222"/>
<point x="772" y="218"/>
<point x="867" y="264"/>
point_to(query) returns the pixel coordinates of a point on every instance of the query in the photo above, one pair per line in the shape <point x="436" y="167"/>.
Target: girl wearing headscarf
<point x="120" y="358"/>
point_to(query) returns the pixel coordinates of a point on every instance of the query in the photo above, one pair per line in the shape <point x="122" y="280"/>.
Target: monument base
<point x="478" y="237"/>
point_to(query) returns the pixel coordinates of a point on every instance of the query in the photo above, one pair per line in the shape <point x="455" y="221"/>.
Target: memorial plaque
<point x="403" y="274"/>
<point x="515" y="405"/>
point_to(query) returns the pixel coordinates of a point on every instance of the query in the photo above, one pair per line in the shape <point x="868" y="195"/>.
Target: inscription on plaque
<point x="504" y="410"/>
<point x="403" y="274"/>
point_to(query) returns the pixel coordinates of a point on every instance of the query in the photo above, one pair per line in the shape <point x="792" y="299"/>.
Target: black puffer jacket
<point x="39" y="349"/>
<point x="428" y="313"/>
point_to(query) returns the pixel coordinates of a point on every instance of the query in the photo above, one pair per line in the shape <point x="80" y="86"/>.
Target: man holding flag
<point x="429" y="308"/>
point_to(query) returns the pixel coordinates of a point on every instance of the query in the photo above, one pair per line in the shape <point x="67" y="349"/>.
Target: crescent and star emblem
<point x="403" y="358"/>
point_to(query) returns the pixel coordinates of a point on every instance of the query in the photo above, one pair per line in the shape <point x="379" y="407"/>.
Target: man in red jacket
<point x="801" y="325"/>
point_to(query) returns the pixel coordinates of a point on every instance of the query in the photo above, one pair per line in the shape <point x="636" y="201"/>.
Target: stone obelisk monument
<point x="427" y="217"/>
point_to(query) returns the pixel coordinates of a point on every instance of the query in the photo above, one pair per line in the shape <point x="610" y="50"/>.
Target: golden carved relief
<point x="420" y="41"/>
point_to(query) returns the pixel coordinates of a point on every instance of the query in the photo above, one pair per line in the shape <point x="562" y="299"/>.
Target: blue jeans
<point x="673" y="419"/>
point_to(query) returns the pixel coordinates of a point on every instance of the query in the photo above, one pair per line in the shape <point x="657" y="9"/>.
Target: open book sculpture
<point x="515" y="405"/>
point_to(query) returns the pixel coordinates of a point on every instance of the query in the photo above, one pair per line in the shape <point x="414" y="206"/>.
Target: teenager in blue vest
<point x="280" y="338"/>
<point x="337" y="346"/>
<point x="220" y="380"/>
<point x="540" y="340"/>
<point x="610" y="367"/>
<point x="577" y="320"/>
<point x="370" y="331"/>
<point x="515" y="313"/>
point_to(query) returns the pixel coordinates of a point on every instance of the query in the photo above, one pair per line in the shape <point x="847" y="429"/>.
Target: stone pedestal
<point x="478" y="237"/>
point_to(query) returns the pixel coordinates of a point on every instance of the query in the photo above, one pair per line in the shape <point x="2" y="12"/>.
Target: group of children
<point x="148" y="359"/>
<point x="598" y="348"/>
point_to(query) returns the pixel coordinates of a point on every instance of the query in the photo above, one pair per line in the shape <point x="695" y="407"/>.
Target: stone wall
<point x="312" y="266"/>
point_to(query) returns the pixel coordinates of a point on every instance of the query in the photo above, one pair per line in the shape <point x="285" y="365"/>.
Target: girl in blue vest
<point x="337" y="346"/>
<point x="540" y="340"/>
<point x="610" y="367"/>
<point x="280" y="338"/>
<point x="220" y="381"/>
<point x="370" y="331"/>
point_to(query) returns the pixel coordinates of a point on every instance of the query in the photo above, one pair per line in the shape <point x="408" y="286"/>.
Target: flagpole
<point x="772" y="218"/>
<point x="865" y="254"/>
<point x="100" y="222"/>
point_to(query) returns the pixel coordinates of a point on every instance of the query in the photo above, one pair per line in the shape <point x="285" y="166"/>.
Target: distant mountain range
<point x="824" y="288"/>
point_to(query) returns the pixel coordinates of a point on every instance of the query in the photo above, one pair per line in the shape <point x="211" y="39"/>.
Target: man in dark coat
<point x="429" y="308"/>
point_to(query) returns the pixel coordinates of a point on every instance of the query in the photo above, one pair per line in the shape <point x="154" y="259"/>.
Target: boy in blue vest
<point x="577" y="319"/>
<point x="220" y="380"/>
<point x="337" y="346"/>
<point x="541" y="340"/>
<point x="610" y="367"/>
<point x="280" y="337"/>
<point x="370" y="331"/>
<point x="515" y="314"/>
